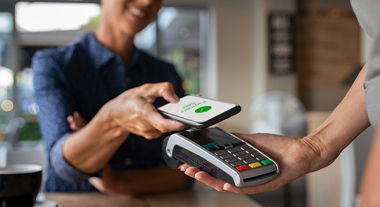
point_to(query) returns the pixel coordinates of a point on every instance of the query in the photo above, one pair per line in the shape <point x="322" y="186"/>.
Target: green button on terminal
<point x="266" y="162"/>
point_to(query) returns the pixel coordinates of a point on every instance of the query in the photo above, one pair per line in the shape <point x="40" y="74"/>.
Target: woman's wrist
<point x="312" y="151"/>
<point x="107" y="120"/>
<point x="318" y="151"/>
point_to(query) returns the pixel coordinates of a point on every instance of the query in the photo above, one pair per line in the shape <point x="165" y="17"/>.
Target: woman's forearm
<point x="344" y="124"/>
<point x="90" y="148"/>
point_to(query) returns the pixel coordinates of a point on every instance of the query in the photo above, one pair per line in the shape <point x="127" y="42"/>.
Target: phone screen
<point x="197" y="109"/>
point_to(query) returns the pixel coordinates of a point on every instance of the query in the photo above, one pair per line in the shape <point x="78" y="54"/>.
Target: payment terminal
<point x="220" y="154"/>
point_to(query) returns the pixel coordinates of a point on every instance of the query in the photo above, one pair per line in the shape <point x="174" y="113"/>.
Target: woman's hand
<point x="133" y="111"/>
<point x="76" y="121"/>
<point x="293" y="156"/>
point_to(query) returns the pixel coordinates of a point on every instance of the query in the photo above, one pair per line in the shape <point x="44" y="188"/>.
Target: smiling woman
<point x="43" y="25"/>
<point x="103" y="91"/>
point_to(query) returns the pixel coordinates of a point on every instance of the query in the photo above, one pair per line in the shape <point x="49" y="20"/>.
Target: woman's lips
<point x="138" y="13"/>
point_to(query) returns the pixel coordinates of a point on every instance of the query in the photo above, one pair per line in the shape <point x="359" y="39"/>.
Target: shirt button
<point x="128" y="162"/>
<point x="364" y="86"/>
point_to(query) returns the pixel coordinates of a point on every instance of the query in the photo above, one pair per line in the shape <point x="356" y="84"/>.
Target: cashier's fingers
<point x="205" y="178"/>
<point x="191" y="171"/>
<point x="184" y="167"/>
<point x="271" y="185"/>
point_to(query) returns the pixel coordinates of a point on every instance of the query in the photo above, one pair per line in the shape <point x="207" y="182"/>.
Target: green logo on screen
<point x="203" y="109"/>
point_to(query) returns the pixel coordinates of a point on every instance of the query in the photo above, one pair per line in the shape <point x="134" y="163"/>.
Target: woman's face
<point x="130" y="16"/>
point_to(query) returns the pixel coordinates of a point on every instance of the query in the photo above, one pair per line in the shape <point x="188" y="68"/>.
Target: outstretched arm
<point x="297" y="157"/>
<point x="129" y="182"/>
<point x="90" y="148"/>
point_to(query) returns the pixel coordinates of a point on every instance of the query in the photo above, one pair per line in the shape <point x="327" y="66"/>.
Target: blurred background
<point x="309" y="51"/>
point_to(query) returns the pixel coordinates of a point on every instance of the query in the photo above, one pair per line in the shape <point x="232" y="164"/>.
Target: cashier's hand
<point x="133" y="111"/>
<point x="290" y="154"/>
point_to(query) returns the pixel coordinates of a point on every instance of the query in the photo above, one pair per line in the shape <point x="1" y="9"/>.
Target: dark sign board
<point x="281" y="43"/>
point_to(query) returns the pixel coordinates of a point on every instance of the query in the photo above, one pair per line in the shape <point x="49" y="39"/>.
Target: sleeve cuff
<point x="61" y="167"/>
<point x="189" y="183"/>
<point x="372" y="92"/>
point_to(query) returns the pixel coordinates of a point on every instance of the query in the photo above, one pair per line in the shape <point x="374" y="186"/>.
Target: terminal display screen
<point x="207" y="138"/>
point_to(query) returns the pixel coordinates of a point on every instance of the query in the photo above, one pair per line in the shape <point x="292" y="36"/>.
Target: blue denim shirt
<point x="83" y="77"/>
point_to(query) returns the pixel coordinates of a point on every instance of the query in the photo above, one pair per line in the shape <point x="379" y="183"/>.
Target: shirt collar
<point x="99" y="55"/>
<point x="135" y="57"/>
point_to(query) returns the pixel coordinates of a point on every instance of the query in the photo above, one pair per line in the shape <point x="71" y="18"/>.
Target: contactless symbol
<point x="203" y="109"/>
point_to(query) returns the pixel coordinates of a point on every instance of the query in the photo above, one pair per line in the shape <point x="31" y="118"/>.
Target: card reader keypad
<point x="240" y="155"/>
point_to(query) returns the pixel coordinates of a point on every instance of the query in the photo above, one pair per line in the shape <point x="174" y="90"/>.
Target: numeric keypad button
<point x="242" y="157"/>
<point x="251" y="150"/>
<point x="244" y="147"/>
<point x="260" y="157"/>
<point x="231" y="160"/>
<point x="221" y="152"/>
<point x="225" y="156"/>
<point x="237" y="163"/>
<point x="250" y="160"/>
<point x="236" y="154"/>
<point x="233" y="150"/>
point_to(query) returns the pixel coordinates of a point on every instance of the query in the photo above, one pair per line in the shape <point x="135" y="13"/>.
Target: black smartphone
<point x="199" y="112"/>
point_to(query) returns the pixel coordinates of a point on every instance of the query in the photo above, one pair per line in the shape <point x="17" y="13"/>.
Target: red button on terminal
<point x="242" y="168"/>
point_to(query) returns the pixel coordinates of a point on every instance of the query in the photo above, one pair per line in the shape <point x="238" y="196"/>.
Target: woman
<point x="103" y="80"/>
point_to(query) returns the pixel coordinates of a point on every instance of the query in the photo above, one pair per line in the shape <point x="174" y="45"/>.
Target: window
<point x="47" y="17"/>
<point x="6" y="23"/>
<point x="176" y="36"/>
<point x="6" y="73"/>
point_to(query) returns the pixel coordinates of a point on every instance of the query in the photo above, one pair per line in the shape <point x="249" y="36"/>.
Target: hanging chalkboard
<point x="281" y="43"/>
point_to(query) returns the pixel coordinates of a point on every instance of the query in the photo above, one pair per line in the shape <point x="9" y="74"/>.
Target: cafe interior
<point x="287" y="63"/>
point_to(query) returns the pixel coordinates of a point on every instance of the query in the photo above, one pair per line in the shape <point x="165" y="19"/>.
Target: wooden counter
<point x="205" y="197"/>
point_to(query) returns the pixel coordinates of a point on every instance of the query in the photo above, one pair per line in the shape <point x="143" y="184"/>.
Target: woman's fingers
<point x="98" y="184"/>
<point x="76" y="121"/>
<point x="165" y="90"/>
<point x="159" y="122"/>
<point x="133" y="111"/>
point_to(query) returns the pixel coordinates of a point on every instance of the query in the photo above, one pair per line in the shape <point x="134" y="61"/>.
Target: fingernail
<point x="176" y="98"/>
